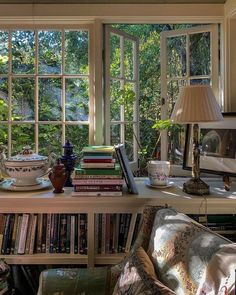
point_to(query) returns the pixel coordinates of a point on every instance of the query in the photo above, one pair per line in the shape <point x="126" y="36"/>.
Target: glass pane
<point x="3" y="135"/>
<point x="3" y="99"/>
<point x="76" y="52"/>
<point x="129" y="98"/>
<point x="49" y="99"/>
<point x="23" y="52"/>
<point x="200" y="81"/>
<point x="129" y="59"/>
<point x="49" y="52"/>
<point x="176" y="56"/>
<point x="50" y="139"/>
<point x="23" y="99"/>
<point x="172" y="94"/>
<point x="22" y="135"/>
<point x="77" y="99"/>
<point x="200" y="55"/>
<point x="115" y="134"/>
<point x="176" y="140"/>
<point x="129" y="141"/>
<point x="78" y="136"/>
<point x="3" y="52"/>
<point x="115" y="100"/>
<point x="115" y="54"/>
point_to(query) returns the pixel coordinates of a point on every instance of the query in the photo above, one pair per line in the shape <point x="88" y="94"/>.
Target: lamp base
<point x="195" y="186"/>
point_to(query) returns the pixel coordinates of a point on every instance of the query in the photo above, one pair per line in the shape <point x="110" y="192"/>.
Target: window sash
<point x="36" y="76"/>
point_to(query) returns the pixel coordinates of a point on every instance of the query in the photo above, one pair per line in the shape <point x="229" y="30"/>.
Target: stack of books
<point x="98" y="173"/>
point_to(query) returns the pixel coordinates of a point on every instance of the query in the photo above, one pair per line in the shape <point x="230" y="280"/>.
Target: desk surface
<point x="219" y="201"/>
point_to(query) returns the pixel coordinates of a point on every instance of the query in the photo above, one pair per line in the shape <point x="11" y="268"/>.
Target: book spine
<point x="124" y="163"/>
<point x="18" y="230"/>
<point x="103" y="244"/>
<point x="97" y="157"/>
<point x="136" y="228"/>
<point x="39" y="233"/>
<point x="68" y="228"/>
<point x="107" y="234"/>
<point x="72" y="234"/>
<point x="99" y="236"/>
<point x="6" y="248"/>
<point x="116" y="234"/>
<point x="126" y="231"/>
<point x="97" y="194"/>
<point x="44" y="233"/>
<point x="23" y="233"/>
<point x="48" y="232"/>
<point x="121" y="232"/>
<point x="96" y="233"/>
<point x="2" y="226"/>
<point x="52" y="228"/>
<point x="83" y="234"/>
<point x="63" y="226"/>
<point x="97" y="165"/>
<point x="76" y="236"/>
<point x="93" y="176"/>
<point x="33" y="234"/>
<point x="99" y="171"/>
<point x="13" y="239"/>
<point x="57" y="236"/>
<point x="100" y="188"/>
<point x="99" y="181"/>
<point x="30" y="223"/>
<point x="98" y="160"/>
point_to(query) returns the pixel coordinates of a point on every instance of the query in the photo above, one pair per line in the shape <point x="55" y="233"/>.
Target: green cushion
<point x="74" y="281"/>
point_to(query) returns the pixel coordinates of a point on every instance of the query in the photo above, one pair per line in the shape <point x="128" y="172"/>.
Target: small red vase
<point x="58" y="177"/>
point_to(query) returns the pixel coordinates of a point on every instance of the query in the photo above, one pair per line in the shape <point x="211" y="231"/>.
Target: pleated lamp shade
<point x="196" y="103"/>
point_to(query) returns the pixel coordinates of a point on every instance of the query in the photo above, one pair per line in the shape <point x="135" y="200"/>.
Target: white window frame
<point x="124" y="36"/>
<point x="213" y="76"/>
<point x="36" y="76"/>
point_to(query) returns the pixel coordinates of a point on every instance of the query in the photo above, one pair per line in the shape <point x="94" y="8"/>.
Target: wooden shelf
<point x="45" y="201"/>
<point x="43" y="258"/>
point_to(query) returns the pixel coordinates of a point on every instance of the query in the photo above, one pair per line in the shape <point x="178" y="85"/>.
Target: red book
<point x="98" y="181"/>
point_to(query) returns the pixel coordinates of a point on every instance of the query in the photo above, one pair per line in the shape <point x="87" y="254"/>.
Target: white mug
<point x="158" y="172"/>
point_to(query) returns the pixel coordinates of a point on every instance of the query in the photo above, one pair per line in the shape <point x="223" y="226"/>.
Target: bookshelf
<point x="45" y="201"/>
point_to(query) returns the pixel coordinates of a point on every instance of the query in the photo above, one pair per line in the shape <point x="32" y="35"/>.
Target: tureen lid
<point x="27" y="155"/>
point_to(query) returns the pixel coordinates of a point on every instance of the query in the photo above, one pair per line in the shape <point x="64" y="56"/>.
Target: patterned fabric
<point x="4" y="276"/>
<point x="70" y="281"/>
<point x="142" y="240"/>
<point x="180" y="249"/>
<point x="219" y="278"/>
<point x="138" y="277"/>
<point x="75" y="281"/>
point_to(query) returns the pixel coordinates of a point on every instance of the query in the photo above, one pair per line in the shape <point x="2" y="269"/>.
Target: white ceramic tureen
<point x="26" y="167"/>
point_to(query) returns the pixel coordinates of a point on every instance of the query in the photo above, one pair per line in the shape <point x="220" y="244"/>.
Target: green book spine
<point x="99" y="171"/>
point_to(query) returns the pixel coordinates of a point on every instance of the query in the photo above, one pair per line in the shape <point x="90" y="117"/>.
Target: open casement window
<point x="46" y="88"/>
<point x="188" y="56"/>
<point x="122" y="92"/>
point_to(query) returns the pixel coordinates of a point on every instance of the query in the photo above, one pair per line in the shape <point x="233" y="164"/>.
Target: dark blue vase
<point x="68" y="159"/>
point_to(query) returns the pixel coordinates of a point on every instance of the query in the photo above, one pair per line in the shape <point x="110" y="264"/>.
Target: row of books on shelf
<point x="43" y="233"/>
<point x="102" y="171"/>
<point x="114" y="232"/>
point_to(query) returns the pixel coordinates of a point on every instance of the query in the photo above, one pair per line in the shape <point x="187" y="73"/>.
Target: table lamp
<point x="195" y="104"/>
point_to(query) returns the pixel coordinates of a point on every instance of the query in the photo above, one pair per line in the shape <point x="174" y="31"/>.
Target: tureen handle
<point x="51" y="161"/>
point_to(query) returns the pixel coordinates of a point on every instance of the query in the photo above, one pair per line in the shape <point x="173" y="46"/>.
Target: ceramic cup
<point x="158" y="172"/>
